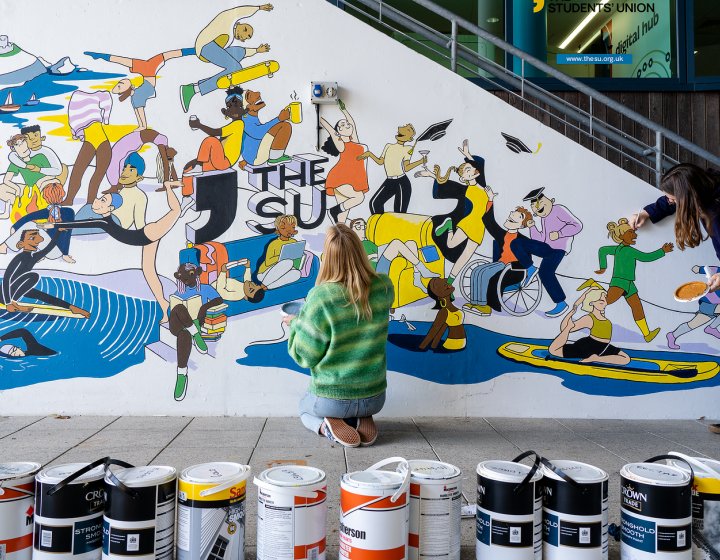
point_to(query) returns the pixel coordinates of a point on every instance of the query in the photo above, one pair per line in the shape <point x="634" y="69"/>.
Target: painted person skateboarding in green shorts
<point x="622" y="283"/>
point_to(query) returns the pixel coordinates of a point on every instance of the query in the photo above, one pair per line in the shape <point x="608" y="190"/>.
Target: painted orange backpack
<point x="212" y="256"/>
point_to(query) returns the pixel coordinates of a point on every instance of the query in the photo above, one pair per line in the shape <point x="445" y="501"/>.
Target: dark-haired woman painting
<point x="347" y="181"/>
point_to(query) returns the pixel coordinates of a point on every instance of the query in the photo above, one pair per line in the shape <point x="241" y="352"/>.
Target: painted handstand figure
<point x="148" y="69"/>
<point x="19" y="279"/>
<point x="148" y="237"/>
<point x="596" y="346"/>
<point x="708" y="312"/>
<point x="622" y="283"/>
<point x="449" y="318"/>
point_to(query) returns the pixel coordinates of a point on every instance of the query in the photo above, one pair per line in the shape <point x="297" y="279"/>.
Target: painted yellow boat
<point x="639" y="369"/>
<point x="50" y="310"/>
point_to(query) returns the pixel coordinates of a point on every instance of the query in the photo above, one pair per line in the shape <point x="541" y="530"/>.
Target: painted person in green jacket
<point x="622" y="283"/>
<point x="341" y="335"/>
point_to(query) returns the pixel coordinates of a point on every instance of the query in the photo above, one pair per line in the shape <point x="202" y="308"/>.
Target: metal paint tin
<point x="17" y="498"/>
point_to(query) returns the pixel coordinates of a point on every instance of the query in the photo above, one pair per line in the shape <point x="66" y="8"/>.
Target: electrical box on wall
<point x="323" y="92"/>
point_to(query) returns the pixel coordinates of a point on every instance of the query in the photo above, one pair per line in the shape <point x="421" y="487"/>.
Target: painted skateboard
<point x="267" y="68"/>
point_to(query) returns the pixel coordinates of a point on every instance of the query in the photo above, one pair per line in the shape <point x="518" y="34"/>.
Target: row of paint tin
<point x="557" y="510"/>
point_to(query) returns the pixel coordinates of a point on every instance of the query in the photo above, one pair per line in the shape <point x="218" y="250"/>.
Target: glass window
<point x="612" y="38"/>
<point x="707" y="38"/>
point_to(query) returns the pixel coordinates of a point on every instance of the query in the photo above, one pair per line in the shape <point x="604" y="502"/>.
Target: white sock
<point x="274" y="154"/>
<point x="182" y="370"/>
<point x="715" y="323"/>
<point x="417" y="280"/>
<point x="425" y="271"/>
<point x="681" y="330"/>
<point x="196" y="87"/>
<point x="193" y="330"/>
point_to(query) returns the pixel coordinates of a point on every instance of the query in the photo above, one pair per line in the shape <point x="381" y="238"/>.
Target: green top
<point x="346" y="357"/>
<point x="30" y="177"/>
<point x="371" y="249"/>
<point x="626" y="259"/>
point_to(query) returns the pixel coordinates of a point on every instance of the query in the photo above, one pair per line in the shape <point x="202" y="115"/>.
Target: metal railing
<point x="652" y="157"/>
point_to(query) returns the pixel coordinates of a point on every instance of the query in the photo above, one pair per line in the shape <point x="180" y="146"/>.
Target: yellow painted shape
<point x="523" y="353"/>
<point x="250" y="73"/>
<point x="44" y="309"/>
<point x="114" y="131"/>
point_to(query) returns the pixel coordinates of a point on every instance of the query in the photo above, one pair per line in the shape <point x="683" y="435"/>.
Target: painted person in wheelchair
<point x="504" y="245"/>
<point x="449" y="318"/>
<point x="596" y="346"/>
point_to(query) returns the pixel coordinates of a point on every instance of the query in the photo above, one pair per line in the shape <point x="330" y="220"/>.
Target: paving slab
<point x="11" y="424"/>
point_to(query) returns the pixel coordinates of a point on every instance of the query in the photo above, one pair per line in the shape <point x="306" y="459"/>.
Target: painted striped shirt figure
<point x="341" y="335"/>
<point x="86" y="108"/>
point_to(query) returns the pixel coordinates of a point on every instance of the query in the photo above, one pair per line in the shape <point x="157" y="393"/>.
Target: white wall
<point x="384" y="85"/>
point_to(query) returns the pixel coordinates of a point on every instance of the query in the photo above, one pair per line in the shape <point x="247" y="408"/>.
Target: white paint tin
<point x="575" y="516"/>
<point x="68" y="523"/>
<point x="211" y="511"/>
<point x="509" y="513"/>
<point x="705" y="505"/>
<point x="139" y="520"/>
<point x="656" y="512"/>
<point x="435" y="503"/>
<point x="292" y="513"/>
<point x="374" y="506"/>
<point x="17" y="498"/>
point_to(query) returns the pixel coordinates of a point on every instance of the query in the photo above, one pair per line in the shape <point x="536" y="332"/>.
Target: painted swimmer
<point x="30" y="346"/>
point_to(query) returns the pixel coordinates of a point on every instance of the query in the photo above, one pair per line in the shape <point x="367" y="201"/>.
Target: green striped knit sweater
<point x="346" y="357"/>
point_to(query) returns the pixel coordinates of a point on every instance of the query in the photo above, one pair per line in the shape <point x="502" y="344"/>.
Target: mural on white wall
<point x="127" y="247"/>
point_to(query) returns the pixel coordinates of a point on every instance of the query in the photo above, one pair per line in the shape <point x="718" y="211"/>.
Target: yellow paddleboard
<point x="639" y="369"/>
<point x="253" y="72"/>
<point x="50" y="310"/>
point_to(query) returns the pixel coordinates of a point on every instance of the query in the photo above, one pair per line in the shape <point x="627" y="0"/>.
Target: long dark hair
<point x="697" y="200"/>
<point x="329" y="146"/>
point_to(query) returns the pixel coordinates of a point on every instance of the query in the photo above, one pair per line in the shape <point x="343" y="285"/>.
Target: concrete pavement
<point x="184" y="441"/>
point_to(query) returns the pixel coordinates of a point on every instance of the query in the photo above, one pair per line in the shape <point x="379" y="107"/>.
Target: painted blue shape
<point x="480" y="362"/>
<point x="112" y="340"/>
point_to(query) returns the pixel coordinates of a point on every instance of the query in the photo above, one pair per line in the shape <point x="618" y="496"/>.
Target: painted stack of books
<point x="215" y="323"/>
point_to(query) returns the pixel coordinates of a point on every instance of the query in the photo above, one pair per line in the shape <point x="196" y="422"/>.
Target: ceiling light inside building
<point x="492" y="20"/>
<point x="583" y="24"/>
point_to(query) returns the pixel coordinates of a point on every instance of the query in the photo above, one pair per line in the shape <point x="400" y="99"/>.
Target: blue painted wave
<point x="111" y="340"/>
<point x="46" y="85"/>
<point x="481" y="362"/>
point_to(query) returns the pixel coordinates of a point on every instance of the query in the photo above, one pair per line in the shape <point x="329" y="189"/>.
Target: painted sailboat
<point x="32" y="101"/>
<point x="9" y="106"/>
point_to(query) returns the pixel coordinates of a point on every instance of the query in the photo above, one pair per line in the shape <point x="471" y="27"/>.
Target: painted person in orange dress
<point x="347" y="181"/>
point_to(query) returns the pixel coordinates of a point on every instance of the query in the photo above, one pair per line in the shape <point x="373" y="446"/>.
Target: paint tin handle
<point x="697" y="464"/>
<point x="86" y="469"/>
<point x="116" y="481"/>
<point x="531" y="472"/>
<point x="674" y="458"/>
<point x="229" y="484"/>
<point x="392" y="461"/>
<point x="288" y="490"/>
<point x="562" y="474"/>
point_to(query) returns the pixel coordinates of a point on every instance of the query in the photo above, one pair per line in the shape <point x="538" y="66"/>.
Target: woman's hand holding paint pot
<point x="637" y="220"/>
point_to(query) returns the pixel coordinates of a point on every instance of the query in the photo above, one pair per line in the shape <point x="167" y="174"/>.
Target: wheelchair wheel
<point x="465" y="276"/>
<point x="516" y="299"/>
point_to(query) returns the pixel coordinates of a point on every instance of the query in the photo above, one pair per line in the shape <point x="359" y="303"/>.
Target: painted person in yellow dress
<point x="460" y="232"/>
<point x="449" y="318"/>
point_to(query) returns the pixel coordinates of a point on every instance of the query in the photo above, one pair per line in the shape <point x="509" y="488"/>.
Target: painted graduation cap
<point x="516" y="145"/>
<point x="434" y="131"/>
<point x="532" y="196"/>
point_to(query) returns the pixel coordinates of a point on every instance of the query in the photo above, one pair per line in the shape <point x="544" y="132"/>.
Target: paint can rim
<point x="671" y="476"/>
<point x="58" y="473"/>
<point x="506" y="471"/>
<point x="134" y="477"/>
<point x="712" y="463"/>
<point x="13" y="470"/>
<point x="309" y="476"/>
<point x="238" y="475"/>
<point x="581" y="475"/>
<point x="434" y="470"/>
<point x="373" y="480"/>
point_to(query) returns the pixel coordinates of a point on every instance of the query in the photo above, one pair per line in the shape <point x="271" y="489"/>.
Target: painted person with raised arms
<point x="341" y="335"/>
